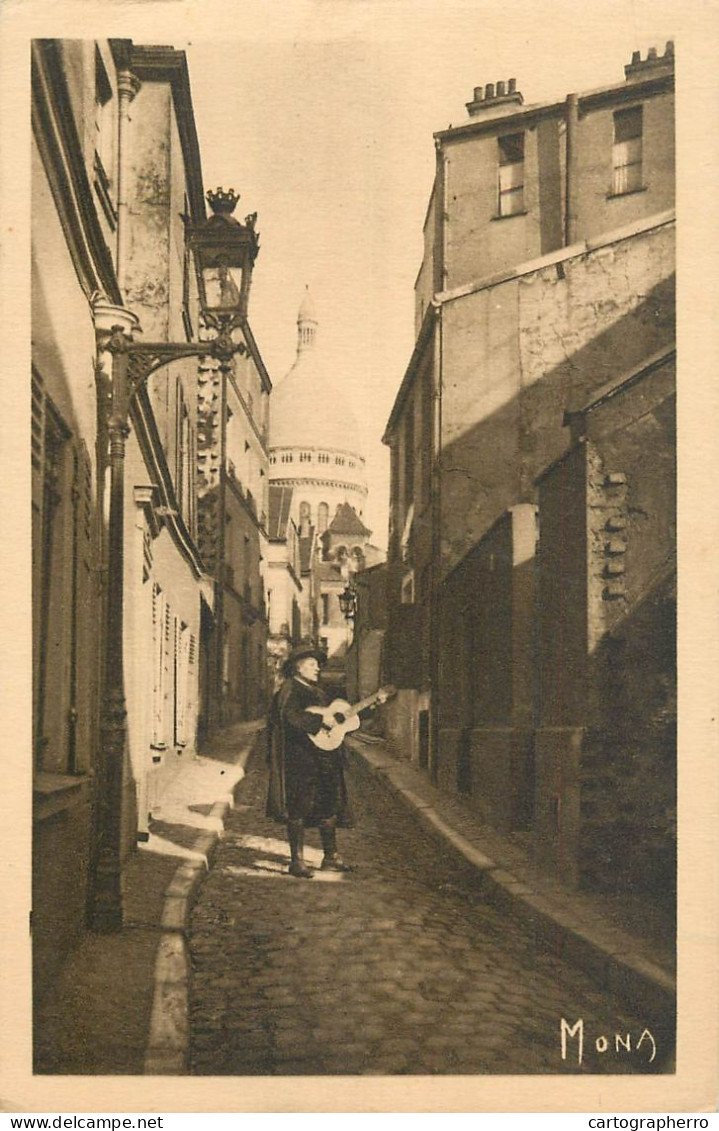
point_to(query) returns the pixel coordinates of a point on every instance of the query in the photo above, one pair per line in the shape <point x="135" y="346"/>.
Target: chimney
<point x="654" y="64"/>
<point x="494" y="98"/>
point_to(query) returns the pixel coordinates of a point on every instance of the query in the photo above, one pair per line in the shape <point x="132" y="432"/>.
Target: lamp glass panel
<point x="223" y="286"/>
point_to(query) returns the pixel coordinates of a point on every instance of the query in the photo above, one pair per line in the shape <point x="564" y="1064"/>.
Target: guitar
<point x="331" y="739"/>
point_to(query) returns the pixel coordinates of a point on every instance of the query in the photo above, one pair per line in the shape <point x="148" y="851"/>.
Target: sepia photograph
<point x="352" y="539"/>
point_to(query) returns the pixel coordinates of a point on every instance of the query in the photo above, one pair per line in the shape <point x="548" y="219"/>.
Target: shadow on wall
<point x="629" y="759"/>
<point x="541" y="729"/>
<point x="495" y="462"/>
<point x="486" y="675"/>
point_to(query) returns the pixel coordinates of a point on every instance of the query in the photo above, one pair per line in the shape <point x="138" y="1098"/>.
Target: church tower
<point x="315" y="458"/>
<point x="314" y="444"/>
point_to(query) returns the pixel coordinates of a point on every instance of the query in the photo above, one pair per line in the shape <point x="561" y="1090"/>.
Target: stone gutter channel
<point x="605" y="953"/>
<point x="562" y="921"/>
<point x="167" y="1048"/>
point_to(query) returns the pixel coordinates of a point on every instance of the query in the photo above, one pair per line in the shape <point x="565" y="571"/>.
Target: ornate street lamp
<point x="225" y="251"/>
<point x="348" y="603"/>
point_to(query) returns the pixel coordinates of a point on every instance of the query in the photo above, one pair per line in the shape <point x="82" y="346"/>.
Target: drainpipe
<point x="127" y="87"/>
<point x="570" y="211"/>
<point x="436" y="545"/>
<point x="439" y="280"/>
<point x="439" y="284"/>
<point x="222" y="550"/>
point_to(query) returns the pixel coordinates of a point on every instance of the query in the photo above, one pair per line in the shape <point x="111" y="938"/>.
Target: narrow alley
<point x="397" y="967"/>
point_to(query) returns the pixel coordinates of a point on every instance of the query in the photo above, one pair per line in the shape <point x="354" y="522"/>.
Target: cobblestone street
<point x="397" y="967"/>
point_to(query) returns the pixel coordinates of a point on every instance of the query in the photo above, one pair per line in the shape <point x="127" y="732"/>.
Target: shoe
<point x="300" y="871"/>
<point x="335" y="863"/>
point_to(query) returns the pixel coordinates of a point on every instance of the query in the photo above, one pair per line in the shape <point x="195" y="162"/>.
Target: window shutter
<point x="52" y="509"/>
<point x="168" y="675"/>
<point x="191" y="695"/>
<point x="511" y="174"/>
<point x="37" y="443"/>
<point x="84" y="594"/>
<point x="182" y="683"/>
<point x="86" y="509"/>
<point x="158" y="667"/>
<point x="627" y="150"/>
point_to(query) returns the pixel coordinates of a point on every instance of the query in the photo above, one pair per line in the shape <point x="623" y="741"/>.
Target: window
<point x="185" y="651"/>
<point x="186" y="269"/>
<point x="627" y="151"/>
<point x="325" y="597"/>
<point x="63" y="571"/>
<point x="184" y="462"/>
<point x="174" y="668"/>
<point x="323" y="517"/>
<point x="51" y="494"/>
<point x="245" y="675"/>
<point x="246" y="561"/>
<point x="408" y="455"/>
<point x="426" y="439"/>
<point x="395" y="496"/>
<point x="225" y="659"/>
<point x="305" y="518"/>
<point x="163" y="667"/>
<point x="394" y="469"/>
<point x="408" y="588"/>
<point x="511" y="174"/>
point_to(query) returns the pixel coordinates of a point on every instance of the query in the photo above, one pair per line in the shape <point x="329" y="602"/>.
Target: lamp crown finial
<point x="221" y="202"/>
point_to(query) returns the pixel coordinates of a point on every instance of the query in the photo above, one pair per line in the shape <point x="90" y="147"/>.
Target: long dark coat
<point x="306" y="784"/>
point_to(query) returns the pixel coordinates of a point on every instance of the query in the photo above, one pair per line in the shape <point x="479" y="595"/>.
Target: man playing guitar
<point x="307" y="787"/>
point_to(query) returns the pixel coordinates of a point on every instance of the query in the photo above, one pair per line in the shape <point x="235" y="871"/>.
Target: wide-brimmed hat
<point x="302" y="652"/>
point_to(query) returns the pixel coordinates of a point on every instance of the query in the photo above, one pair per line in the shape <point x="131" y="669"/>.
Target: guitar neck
<point x="363" y="704"/>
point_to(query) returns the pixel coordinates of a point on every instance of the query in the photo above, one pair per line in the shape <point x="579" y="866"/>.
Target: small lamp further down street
<point x="348" y="603"/>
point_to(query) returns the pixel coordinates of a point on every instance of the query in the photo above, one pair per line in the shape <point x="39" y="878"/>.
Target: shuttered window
<point x="511" y="174"/>
<point x="627" y="152"/>
<point x="168" y="675"/>
<point x="225" y="659"/>
<point x="158" y="666"/>
<point x="174" y="675"/>
<point x="163" y="689"/>
<point x="83" y="636"/>
<point x="185" y="460"/>
<point x="61" y="532"/>
<point x="184" y="684"/>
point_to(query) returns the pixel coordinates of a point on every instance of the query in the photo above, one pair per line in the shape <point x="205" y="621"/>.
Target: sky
<point x="322" y="117"/>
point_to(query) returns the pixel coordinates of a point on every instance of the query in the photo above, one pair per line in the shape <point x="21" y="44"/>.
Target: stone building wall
<point x="486" y="672"/>
<point x="518" y="353"/>
<point x="597" y="208"/>
<point x="65" y="674"/>
<point x="606" y="743"/>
